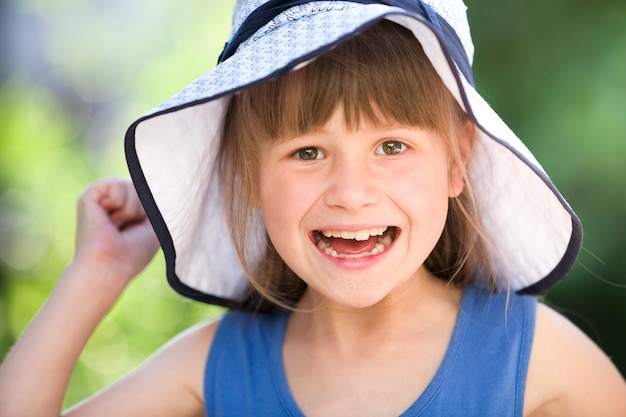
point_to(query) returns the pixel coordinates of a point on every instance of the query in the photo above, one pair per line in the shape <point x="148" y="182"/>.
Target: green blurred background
<point x="75" y="73"/>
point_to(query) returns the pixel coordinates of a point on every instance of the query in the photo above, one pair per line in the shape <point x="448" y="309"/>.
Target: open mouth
<point x="355" y="245"/>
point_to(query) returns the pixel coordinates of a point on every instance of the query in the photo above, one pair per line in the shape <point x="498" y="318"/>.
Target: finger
<point x="113" y="193"/>
<point x="119" y="199"/>
<point x="128" y="209"/>
<point x="105" y="193"/>
<point x="143" y="239"/>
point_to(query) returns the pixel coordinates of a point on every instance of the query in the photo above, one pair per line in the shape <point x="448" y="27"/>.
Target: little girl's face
<point x="355" y="213"/>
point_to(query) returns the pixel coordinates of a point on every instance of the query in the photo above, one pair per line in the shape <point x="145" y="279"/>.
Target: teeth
<point x="382" y="243"/>
<point x="379" y="248"/>
<point x="385" y="240"/>
<point x="359" y="235"/>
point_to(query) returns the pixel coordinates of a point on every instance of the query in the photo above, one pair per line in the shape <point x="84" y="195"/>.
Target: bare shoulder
<point x="194" y="342"/>
<point x="568" y="374"/>
<point x="170" y="382"/>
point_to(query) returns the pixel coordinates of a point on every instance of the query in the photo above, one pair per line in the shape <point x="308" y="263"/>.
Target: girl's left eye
<point x="309" y="154"/>
<point x="391" y="147"/>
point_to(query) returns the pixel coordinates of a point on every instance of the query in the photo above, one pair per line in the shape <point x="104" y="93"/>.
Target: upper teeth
<point x="358" y="235"/>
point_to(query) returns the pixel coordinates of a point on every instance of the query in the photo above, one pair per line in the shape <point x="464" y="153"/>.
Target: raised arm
<point x="114" y="242"/>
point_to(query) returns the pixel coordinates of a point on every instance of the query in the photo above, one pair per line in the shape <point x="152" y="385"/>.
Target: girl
<point x="388" y="234"/>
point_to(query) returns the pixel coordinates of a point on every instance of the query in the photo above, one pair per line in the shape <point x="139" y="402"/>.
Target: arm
<point x="114" y="242"/>
<point x="568" y="374"/>
<point x="168" y="384"/>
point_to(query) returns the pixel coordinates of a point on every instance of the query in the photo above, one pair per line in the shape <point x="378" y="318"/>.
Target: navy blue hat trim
<point x="165" y="238"/>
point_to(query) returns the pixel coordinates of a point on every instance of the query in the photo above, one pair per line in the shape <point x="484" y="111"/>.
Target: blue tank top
<point x="483" y="372"/>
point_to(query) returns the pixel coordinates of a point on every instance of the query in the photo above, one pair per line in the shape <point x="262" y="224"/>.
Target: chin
<point x="357" y="299"/>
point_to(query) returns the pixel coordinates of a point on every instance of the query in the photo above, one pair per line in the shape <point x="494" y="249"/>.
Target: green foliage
<point x="556" y="72"/>
<point x="98" y="66"/>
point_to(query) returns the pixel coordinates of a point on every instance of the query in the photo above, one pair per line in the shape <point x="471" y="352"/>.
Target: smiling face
<point x="356" y="212"/>
<point x="355" y="161"/>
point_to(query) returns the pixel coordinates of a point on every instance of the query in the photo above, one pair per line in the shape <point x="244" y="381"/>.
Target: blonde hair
<point x="381" y="74"/>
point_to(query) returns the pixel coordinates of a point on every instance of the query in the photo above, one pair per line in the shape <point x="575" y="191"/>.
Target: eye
<point x="391" y="147"/>
<point x="309" y="154"/>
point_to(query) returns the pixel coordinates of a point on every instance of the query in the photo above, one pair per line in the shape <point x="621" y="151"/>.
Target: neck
<point x="408" y="312"/>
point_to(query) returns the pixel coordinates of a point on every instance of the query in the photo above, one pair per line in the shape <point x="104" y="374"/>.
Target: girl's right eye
<point x="309" y="154"/>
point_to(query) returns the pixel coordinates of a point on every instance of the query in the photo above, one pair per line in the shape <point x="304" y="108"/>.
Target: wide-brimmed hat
<point x="534" y="235"/>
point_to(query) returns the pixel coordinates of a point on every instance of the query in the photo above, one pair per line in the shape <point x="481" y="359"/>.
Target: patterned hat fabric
<point x="171" y="151"/>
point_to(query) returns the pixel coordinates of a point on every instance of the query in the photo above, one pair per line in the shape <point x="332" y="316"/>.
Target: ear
<point x="466" y="137"/>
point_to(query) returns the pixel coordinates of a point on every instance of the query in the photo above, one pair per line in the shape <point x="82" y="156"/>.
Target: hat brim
<point x="534" y="234"/>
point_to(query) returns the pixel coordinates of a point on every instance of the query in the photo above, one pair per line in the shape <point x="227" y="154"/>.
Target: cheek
<point x="422" y="192"/>
<point x="419" y="183"/>
<point x="283" y="193"/>
<point x="284" y="200"/>
<point x="284" y="206"/>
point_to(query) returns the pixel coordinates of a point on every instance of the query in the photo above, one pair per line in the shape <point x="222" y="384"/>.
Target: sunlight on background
<point x="75" y="73"/>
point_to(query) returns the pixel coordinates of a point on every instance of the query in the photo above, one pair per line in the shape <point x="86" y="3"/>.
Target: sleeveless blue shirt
<point x="483" y="372"/>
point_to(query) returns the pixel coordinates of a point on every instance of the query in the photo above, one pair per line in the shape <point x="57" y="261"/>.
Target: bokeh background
<point x="75" y="73"/>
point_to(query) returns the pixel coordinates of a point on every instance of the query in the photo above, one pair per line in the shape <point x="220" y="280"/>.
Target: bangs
<point x="380" y="75"/>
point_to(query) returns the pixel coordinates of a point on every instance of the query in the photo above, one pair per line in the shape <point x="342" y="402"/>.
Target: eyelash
<point x="310" y="151"/>
<point x="397" y="145"/>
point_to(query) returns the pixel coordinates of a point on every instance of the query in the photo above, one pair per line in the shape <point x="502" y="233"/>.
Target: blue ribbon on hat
<point x="447" y="35"/>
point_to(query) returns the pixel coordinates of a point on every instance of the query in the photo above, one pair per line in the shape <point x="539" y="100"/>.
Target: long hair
<point x="381" y="74"/>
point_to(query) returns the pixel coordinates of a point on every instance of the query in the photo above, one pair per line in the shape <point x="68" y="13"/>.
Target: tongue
<point x="352" y="246"/>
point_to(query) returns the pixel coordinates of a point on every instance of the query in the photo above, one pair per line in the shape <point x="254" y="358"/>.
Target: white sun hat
<point x="535" y="236"/>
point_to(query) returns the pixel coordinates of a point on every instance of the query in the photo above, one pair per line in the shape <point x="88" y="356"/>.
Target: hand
<point x="113" y="235"/>
<point x="114" y="242"/>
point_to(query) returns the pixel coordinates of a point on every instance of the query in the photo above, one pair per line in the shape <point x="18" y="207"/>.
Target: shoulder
<point x="194" y="342"/>
<point x="182" y="359"/>
<point x="169" y="383"/>
<point x="568" y="374"/>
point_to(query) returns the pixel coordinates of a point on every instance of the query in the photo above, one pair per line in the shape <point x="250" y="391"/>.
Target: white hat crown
<point x="452" y="11"/>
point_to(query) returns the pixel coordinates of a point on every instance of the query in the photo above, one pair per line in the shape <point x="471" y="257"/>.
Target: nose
<point x="352" y="184"/>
